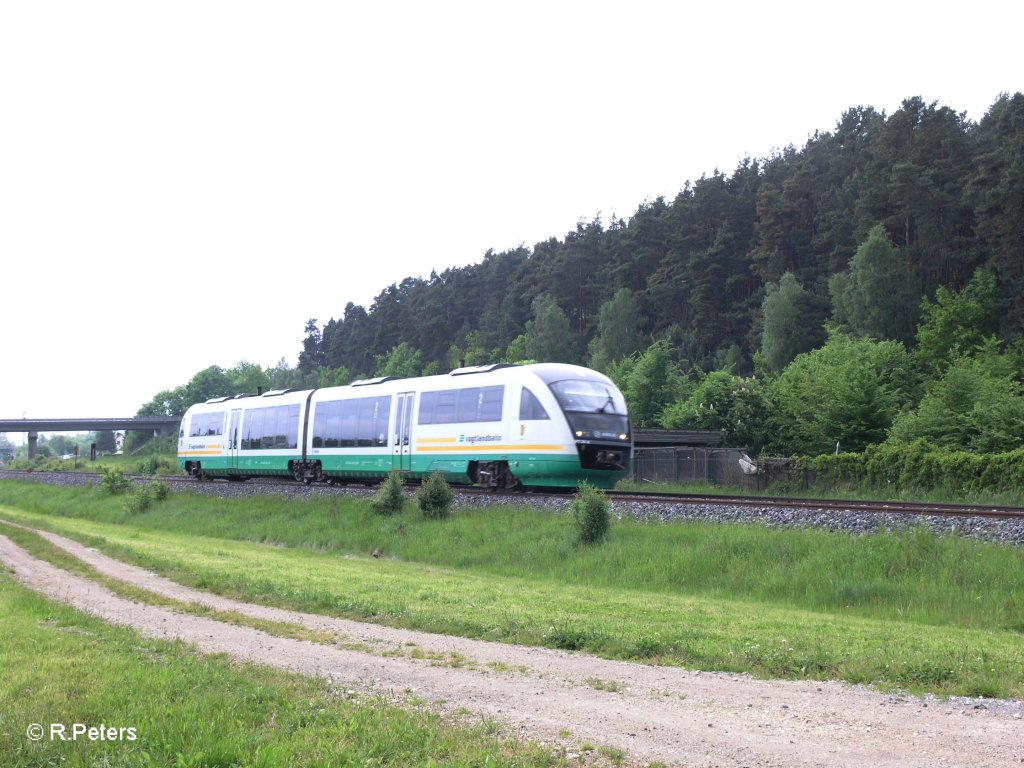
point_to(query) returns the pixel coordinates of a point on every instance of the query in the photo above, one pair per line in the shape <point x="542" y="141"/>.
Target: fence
<point x="715" y="466"/>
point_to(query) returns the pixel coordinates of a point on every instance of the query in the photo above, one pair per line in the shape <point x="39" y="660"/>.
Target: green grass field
<point x="910" y="611"/>
<point x="168" y="706"/>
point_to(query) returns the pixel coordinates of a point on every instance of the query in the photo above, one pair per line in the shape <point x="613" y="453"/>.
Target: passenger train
<point x="498" y="426"/>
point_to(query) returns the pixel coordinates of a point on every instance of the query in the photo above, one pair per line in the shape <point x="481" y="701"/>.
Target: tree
<point x="403" y="361"/>
<point x="652" y="383"/>
<point x="334" y="377"/>
<point x="208" y="383"/>
<point x="312" y="356"/>
<point x="876" y="298"/>
<point x="792" y="322"/>
<point x="618" y="330"/>
<point x="977" y="405"/>
<point x="106" y="441"/>
<point x="723" y="401"/>
<point x="549" y="337"/>
<point x="473" y="353"/>
<point x="168" y="402"/>
<point x="248" y="377"/>
<point x="958" y="323"/>
<point x="516" y="350"/>
<point x="996" y="193"/>
<point x="847" y="392"/>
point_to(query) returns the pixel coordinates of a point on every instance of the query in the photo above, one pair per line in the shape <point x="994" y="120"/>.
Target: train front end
<point x="598" y="422"/>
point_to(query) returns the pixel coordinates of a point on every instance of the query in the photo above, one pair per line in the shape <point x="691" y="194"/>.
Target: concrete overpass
<point x="159" y="426"/>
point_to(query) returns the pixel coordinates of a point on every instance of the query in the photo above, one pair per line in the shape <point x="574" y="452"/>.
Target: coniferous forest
<point x="865" y="288"/>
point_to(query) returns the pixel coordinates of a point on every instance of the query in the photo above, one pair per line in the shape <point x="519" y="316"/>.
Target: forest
<point x="866" y="289"/>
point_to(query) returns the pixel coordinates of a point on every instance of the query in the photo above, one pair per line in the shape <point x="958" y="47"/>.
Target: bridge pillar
<point x="33" y="439"/>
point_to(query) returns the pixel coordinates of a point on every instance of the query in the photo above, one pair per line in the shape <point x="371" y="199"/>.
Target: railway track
<point x="846" y="505"/>
<point x="927" y="509"/>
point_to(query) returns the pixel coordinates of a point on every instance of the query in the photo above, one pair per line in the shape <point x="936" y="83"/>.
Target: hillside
<point x="948" y="194"/>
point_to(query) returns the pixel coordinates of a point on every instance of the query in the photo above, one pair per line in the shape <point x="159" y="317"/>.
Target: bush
<point x="435" y="497"/>
<point x="919" y="466"/>
<point x="113" y="481"/>
<point x="590" y="514"/>
<point x="157" y="465"/>
<point x="142" y="497"/>
<point x="391" y="497"/>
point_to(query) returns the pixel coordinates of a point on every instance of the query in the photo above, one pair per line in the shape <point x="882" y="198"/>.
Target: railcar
<point x="500" y="426"/>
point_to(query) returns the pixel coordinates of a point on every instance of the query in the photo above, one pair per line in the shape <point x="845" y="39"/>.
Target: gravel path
<point x="675" y="716"/>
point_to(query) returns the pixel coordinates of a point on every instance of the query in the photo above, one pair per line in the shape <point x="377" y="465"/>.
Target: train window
<point x="351" y="423"/>
<point x="216" y="424"/>
<point x="462" y="406"/>
<point x="427" y="400"/>
<point x="207" y="425"/>
<point x="268" y="428"/>
<point x="366" y="433"/>
<point x="530" y="408"/>
<point x="444" y="408"/>
<point x="468" y="405"/>
<point x="490" y="403"/>
<point x="252" y="429"/>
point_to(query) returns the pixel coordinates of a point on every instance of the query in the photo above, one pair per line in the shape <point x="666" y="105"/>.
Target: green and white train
<point x="499" y="426"/>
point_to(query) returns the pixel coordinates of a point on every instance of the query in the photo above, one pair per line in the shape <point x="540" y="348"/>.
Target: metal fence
<point x="716" y="466"/>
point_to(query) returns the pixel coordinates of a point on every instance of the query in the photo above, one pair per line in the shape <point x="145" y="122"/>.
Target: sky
<point x="186" y="184"/>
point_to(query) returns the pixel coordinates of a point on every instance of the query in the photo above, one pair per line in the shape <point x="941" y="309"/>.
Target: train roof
<point x="546" y="372"/>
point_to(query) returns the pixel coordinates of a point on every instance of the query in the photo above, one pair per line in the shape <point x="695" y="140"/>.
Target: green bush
<point x="142" y="497"/>
<point x="919" y="466"/>
<point x="590" y="514"/>
<point x="435" y="497"/>
<point x="113" y="481"/>
<point x="391" y="497"/>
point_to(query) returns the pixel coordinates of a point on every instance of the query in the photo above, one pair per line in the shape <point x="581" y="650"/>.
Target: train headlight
<point x="579" y="433"/>
<point x="623" y="437"/>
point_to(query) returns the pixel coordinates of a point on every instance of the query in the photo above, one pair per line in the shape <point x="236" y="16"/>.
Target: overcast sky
<point x="184" y="184"/>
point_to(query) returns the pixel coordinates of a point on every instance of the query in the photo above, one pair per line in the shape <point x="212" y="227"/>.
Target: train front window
<point x="595" y="410"/>
<point x="589" y="397"/>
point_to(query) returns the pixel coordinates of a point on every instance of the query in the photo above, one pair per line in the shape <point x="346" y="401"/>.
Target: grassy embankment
<point x="910" y="611"/>
<point x="63" y="667"/>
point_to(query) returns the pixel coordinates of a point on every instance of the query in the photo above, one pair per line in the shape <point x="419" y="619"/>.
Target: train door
<point x="402" y="447"/>
<point x="233" y="436"/>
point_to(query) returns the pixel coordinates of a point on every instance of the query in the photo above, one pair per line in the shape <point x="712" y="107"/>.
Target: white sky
<point x="184" y="184"/>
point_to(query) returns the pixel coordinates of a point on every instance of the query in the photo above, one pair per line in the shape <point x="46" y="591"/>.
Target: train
<point x="500" y="426"/>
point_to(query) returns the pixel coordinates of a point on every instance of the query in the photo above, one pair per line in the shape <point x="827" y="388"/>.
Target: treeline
<point x="948" y="194"/>
<point x="866" y="288"/>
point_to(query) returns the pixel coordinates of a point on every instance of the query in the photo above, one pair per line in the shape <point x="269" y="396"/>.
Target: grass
<point x="63" y="667"/>
<point x="909" y="611"/>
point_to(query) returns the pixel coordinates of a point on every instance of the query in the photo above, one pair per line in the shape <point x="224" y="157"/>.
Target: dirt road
<point x="665" y="714"/>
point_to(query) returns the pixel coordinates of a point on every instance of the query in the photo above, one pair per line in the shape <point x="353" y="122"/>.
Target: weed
<point x="604" y="685"/>
<point x="113" y="481"/>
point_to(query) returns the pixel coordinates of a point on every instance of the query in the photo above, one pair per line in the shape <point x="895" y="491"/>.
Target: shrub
<point x="113" y="481"/>
<point x="142" y="497"/>
<point x="435" y="497"/>
<point x="391" y="497"/>
<point x="590" y="514"/>
<point x="138" y="501"/>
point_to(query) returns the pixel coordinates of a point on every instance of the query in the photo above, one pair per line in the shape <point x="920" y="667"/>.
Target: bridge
<point x="158" y="425"/>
